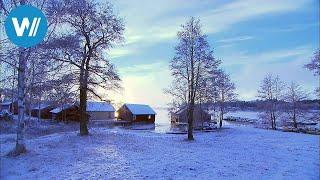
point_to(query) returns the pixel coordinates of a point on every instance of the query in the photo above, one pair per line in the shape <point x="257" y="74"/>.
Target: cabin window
<point x="134" y="117"/>
<point x="149" y="117"/>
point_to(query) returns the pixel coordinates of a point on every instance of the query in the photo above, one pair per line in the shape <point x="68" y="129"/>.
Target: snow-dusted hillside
<point x="235" y="152"/>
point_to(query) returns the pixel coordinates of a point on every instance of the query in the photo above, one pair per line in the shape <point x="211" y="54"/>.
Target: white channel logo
<point x="25" y="24"/>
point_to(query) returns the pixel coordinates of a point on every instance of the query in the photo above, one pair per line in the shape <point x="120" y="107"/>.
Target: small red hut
<point x="136" y="113"/>
<point x="42" y="110"/>
<point x="66" y="112"/>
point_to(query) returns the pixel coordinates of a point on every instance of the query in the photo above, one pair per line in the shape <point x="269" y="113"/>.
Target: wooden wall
<point x="145" y="118"/>
<point x="44" y="113"/>
<point x="125" y="114"/>
<point x="70" y="114"/>
<point x="199" y="117"/>
<point x="101" y="115"/>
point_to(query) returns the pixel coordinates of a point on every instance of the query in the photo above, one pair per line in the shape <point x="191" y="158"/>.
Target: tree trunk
<point x="29" y="109"/>
<point x="271" y="118"/>
<point x="190" y="121"/>
<point x="221" y="114"/>
<point x="83" y="104"/>
<point x="11" y="108"/>
<point x="83" y="116"/>
<point x="20" y="144"/>
<point x="30" y="103"/>
<point x="274" y="120"/>
<point x="294" y="119"/>
<point x="39" y="110"/>
<point x="221" y="118"/>
<point x="191" y="91"/>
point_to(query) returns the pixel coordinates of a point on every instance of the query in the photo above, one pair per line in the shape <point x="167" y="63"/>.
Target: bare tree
<point x="8" y="79"/>
<point x="21" y="56"/>
<point x="271" y="91"/>
<point x="294" y="97"/>
<point x="38" y="75"/>
<point x="63" y="90"/>
<point x="225" y="93"/>
<point x="8" y="59"/>
<point x="190" y="66"/>
<point x="314" y="66"/>
<point x="93" y="28"/>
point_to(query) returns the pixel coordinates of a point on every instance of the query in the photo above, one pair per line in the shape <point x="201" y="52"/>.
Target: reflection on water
<point x="162" y="123"/>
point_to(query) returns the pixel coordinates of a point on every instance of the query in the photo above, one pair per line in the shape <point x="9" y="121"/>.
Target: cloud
<point x="151" y="22"/>
<point x="294" y="27"/>
<point x="235" y="39"/>
<point x="235" y="12"/>
<point x="248" y="79"/>
<point x="144" y="83"/>
<point x="152" y="25"/>
<point x="119" y="52"/>
<point x="144" y="68"/>
<point x="266" y="57"/>
<point x="248" y="69"/>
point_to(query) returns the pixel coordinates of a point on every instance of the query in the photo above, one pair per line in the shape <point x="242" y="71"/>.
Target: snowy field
<point x="234" y="152"/>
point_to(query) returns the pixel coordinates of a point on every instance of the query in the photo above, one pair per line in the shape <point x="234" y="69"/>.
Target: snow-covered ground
<point x="234" y="152"/>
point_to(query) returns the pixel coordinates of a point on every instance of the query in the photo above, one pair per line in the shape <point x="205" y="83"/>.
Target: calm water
<point x="162" y="122"/>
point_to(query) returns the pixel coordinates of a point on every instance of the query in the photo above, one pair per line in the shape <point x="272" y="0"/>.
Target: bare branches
<point x="272" y="91"/>
<point x="294" y="98"/>
<point x="4" y="9"/>
<point x="92" y="28"/>
<point x="191" y="67"/>
<point x="314" y="65"/>
<point x="14" y="65"/>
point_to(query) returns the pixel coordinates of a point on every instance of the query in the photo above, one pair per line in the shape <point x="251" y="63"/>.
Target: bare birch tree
<point x="271" y="91"/>
<point x="225" y="93"/>
<point x="21" y="55"/>
<point x="192" y="61"/>
<point x="294" y="97"/>
<point x="314" y="65"/>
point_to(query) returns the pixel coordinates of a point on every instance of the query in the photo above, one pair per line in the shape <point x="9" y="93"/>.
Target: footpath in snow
<point x="234" y="152"/>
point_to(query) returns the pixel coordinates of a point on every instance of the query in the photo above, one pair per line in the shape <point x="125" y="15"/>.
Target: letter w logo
<point x="25" y="24"/>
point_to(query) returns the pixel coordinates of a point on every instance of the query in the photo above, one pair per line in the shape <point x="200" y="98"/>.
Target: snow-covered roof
<point x="140" y="109"/>
<point x="59" y="109"/>
<point x="99" y="107"/>
<point x="42" y="106"/>
<point x="91" y="107"/>
<point x="183" y="109"/>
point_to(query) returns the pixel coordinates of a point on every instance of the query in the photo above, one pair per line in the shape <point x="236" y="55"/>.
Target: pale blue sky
<point x="251" y="37"/>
